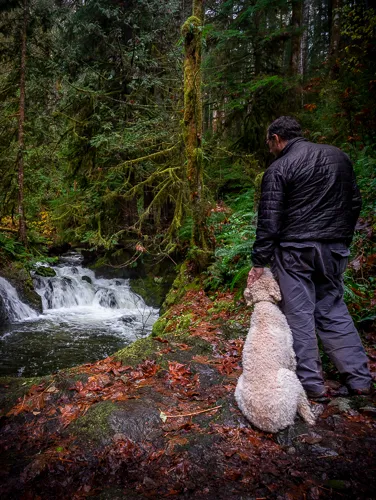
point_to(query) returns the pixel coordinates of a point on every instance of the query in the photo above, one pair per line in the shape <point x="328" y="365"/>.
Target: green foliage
<point x="234" y="236"/>
<point x="365" y="169"/>
<point x="9" y="245"/>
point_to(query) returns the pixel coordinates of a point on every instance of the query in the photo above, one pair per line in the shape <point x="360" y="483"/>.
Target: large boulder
<point x="20" y="278"/>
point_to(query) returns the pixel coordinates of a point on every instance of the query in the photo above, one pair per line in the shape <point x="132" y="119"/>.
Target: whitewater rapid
<point x="84" y="318"/>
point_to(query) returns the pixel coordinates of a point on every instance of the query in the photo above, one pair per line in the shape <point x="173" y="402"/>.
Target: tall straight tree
<point x="296" y="24"/>
<point x="14" y="6"/>
<point x="335" y="37"/>
<point x="21" y="129"/>
<point x="192" y="33"/>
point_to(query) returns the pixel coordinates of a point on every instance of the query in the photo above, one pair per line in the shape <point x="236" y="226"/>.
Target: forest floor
<point x="159" y="420"/>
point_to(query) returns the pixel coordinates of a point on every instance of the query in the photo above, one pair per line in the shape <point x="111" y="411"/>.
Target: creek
<point x="84" y="319"/>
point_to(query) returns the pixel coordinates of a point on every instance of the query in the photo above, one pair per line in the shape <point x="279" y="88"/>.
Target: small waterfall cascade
<point x="15" y="309"/>
<point x="84" y="319"/>
<point x="75" y="287"/>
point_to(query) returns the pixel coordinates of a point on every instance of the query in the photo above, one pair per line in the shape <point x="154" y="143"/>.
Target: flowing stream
<point x="84" y="319"/>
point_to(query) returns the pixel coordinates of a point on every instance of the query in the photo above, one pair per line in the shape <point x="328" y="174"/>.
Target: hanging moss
<point x="257" y="194"/>
<point x="190" y="26"/>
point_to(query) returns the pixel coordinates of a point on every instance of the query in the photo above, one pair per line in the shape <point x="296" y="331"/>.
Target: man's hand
<point x="254" y="274"/>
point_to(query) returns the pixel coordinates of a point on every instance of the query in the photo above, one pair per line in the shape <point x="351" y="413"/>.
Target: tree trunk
<point x="304" y="41"/>
<point x="192" y="127"/>
<point x="21" y="134"/>
<point x="296" y="24"/>
<point x="335" y="37"/>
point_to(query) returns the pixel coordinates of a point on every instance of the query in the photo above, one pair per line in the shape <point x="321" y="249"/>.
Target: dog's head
<point x="265" y="288"/>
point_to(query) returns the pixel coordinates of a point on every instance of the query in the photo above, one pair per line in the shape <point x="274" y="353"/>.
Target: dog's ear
<point x="274" y="290"/>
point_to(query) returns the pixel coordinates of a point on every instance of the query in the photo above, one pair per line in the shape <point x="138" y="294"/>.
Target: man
<point x="307" y="214"/>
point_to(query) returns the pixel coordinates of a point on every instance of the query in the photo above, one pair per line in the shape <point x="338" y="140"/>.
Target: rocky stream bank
<point x="159" y="420"/>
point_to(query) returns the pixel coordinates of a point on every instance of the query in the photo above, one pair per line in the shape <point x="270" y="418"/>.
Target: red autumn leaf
<point x="159" y="339"/>
<point x="77" y="387"/>
<point x="184" y="347"/>
<point x="97" y="383"/>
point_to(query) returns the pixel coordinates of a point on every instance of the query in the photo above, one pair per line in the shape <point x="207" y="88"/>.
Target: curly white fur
<point x="268" y="392"/>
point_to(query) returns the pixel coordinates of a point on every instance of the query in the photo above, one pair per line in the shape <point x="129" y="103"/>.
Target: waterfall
<point x="84" y="319"/>
<point x="15" y="309"/>
<point x="75" y="287"/>
<point x="75" y="296"/>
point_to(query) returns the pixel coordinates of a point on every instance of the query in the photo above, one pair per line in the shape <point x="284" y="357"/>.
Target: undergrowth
<point x="233" y="226"/>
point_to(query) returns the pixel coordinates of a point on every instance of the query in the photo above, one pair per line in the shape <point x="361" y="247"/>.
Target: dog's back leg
<point x="304" y="409"/>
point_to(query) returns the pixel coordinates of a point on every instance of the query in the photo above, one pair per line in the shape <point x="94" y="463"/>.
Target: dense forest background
<point x="112" y="138"/>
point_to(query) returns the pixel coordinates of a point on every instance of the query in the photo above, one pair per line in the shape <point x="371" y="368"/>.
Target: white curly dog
<point x="268" y="392"/>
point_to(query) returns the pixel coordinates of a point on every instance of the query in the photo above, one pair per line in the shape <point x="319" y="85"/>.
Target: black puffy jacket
<point x="309" y="193"/>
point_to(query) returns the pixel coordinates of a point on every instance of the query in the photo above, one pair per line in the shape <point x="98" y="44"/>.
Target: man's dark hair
<point x="286" y="127"/>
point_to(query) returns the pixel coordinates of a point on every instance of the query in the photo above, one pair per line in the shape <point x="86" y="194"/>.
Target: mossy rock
<point x="148" y="348"/>
<point x="94" y="425"/>
<point x="13" y="388"/>
<point x="87" y="279"/>
<point x="19" y="277"/>
<point x="159" y="327"/>
<point x="153" y="289"/>
<point x="45" y="272"/>
<point x="135" y="353"/>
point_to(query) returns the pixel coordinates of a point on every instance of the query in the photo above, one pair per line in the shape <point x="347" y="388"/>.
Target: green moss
<point x="152" y="289"/>
<point x="222" y="306"/>
<point x="257" y="193"/>
<point x="182" y="284"/>
<point x="138" y="351"/>
<point x="12" y="388"/>
<point x="179" y="324"/>
<point x="94" y="425"/>
<point x="20" y="278"/>
<point x="159" y="327"/>
<point x="45" y="272"/>
<point x="190" y="25"/>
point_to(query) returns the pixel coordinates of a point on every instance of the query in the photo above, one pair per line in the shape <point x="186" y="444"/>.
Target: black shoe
<point x="365" y="391"/>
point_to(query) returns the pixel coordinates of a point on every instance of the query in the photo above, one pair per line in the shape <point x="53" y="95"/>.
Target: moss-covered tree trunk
<point x="21" y="135"/>
<point x="192" y="128"/>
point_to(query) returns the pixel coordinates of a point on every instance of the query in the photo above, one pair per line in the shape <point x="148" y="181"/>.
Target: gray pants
<point x="310" y="277"/>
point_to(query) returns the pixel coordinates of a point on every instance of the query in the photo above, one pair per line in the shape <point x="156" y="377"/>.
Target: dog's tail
<point x="304" y="409"/>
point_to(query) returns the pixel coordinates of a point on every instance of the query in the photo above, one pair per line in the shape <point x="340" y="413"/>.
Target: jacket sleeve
<point x="270" y="214"/>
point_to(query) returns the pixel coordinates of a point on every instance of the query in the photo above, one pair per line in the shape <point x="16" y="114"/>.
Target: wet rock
<point x="128" y="319"/>
<point x="208" y="376"/>
<point x="342" y="404"/>
<point x="21" y="280"/>
<point x="370" y="411"/>
<point x="137" y="420"/>
<point x="289" y="437"/>
<point x="317" y="410"/>
<point x="3" y="313"/>
<point x="45" y="272"/>
<point x="325" y="452"/>
<point x="311" y="438"/>
<point x="87" y="279"/>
